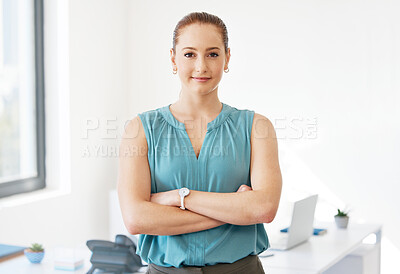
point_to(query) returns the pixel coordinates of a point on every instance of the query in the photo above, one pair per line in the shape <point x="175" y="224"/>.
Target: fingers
<point x="243" y="188"/>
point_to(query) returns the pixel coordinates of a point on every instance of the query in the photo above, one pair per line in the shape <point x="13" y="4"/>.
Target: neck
<point x="197" y="106"/>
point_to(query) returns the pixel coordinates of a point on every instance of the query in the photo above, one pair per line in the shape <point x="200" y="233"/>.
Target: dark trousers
<point x="248" y="265"/>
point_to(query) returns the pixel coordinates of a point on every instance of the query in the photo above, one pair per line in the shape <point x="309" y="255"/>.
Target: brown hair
<point x="202" y="18"/>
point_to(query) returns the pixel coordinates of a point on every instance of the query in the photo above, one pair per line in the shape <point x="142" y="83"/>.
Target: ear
<point x="172" y="55"/>
<point x="227" y="58"/>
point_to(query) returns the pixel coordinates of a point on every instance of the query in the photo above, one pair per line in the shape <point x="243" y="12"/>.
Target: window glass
<point x="18" y="142"/>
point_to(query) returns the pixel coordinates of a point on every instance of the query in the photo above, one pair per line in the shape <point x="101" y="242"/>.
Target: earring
<point x="174" y="71"/>
<point x="226" y="70"/>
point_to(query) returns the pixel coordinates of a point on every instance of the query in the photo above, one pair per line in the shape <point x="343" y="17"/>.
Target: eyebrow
<point x="206" y="49"/>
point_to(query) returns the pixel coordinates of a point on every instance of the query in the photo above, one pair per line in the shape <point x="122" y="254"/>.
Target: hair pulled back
<point x="203" y="18"/>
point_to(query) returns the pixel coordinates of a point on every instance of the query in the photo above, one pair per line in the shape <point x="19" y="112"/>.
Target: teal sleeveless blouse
<point x="222" y="166"/>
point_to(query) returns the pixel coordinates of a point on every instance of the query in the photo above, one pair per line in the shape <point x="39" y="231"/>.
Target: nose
<point x="201" y="65"/>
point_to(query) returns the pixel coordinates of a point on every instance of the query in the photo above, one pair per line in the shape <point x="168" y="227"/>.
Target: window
<point x="22" y="125"/>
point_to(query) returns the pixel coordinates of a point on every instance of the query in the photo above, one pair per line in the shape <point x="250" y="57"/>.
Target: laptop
<point x="301" y="227"/>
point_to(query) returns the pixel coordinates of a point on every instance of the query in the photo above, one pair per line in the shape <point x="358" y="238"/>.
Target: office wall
<point x="325" y="72"/>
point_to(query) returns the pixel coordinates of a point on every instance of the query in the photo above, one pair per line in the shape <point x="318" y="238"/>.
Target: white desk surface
<point x="21" y="265"/>
<point x="313" y="256"/>
<point x="319" y="252"/>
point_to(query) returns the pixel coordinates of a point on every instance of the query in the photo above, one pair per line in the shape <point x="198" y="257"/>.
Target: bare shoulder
<point x="262" y="128"/>
<point x="132" y="127"/>
<point x="134" y="135"/>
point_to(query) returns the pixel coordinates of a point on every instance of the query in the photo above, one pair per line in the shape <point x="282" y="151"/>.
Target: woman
<point x="198" y="178"/>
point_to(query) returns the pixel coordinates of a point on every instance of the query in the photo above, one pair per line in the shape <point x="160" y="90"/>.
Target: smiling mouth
<point x="201" y="79"/>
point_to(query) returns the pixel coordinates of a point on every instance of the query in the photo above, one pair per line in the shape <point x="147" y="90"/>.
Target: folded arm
<point x="140" y="215"/>
<point x="242" y="208"/>
<point x="158" y="214"/>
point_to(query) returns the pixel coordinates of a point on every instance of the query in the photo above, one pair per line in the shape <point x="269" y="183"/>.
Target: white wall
<point x="335" y="63"/>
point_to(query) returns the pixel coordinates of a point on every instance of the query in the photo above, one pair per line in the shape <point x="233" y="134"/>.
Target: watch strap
<point x="182" y="203"/>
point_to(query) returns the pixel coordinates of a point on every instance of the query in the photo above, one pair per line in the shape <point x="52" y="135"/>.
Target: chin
<point x="199" y="89"/>
<point x="203" y="90"/>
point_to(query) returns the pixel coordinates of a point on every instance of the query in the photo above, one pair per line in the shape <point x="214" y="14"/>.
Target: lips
<point x="201" y="79"/>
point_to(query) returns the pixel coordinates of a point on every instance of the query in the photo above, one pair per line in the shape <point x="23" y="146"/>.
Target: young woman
<point x="198" y="178"/>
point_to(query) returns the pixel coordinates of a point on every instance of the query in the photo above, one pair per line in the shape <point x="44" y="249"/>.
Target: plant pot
<point x="34" y="257"/>
<point x="342" y="221"/>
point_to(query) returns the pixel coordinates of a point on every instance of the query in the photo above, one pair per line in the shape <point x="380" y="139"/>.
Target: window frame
<point x="38" y="182"/>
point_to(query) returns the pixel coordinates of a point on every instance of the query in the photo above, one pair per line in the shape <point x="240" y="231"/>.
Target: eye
<point x="189" y="53"/>
<point x="215" y="54"/>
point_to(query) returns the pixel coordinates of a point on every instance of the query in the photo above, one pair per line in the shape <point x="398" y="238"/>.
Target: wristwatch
<point x="183" y="192"/>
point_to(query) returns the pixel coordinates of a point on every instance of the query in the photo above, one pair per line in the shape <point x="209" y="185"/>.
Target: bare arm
<point x="140" y="215"/>
<point x="243" y="208"/>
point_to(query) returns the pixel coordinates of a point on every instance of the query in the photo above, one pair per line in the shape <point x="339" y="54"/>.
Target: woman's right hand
<point x="244" y="188"/>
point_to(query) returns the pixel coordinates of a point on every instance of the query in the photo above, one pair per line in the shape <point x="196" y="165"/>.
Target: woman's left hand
<point x="244" y="188"/>
<point x="169" y="198"/>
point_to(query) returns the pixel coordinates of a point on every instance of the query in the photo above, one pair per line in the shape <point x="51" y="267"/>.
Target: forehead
<point x="200" y="36"/>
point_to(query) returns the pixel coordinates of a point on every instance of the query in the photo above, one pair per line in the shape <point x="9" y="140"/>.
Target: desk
<point x="320" y="253"/>
<point x="315" y="256"/>
<point x="21" y="265"/>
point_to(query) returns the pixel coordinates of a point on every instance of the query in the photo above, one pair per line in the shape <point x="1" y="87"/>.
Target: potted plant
<point x="341" y="219"/>
<point x="35" y="253"/>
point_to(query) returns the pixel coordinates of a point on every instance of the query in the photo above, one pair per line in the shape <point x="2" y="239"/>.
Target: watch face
<point x="184" y="191"/>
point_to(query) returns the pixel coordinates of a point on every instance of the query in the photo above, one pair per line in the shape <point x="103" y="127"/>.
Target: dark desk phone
<point x="114" y="257"/>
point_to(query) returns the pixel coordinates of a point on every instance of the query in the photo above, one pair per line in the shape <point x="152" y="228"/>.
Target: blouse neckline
<point x="167" y="114"/>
